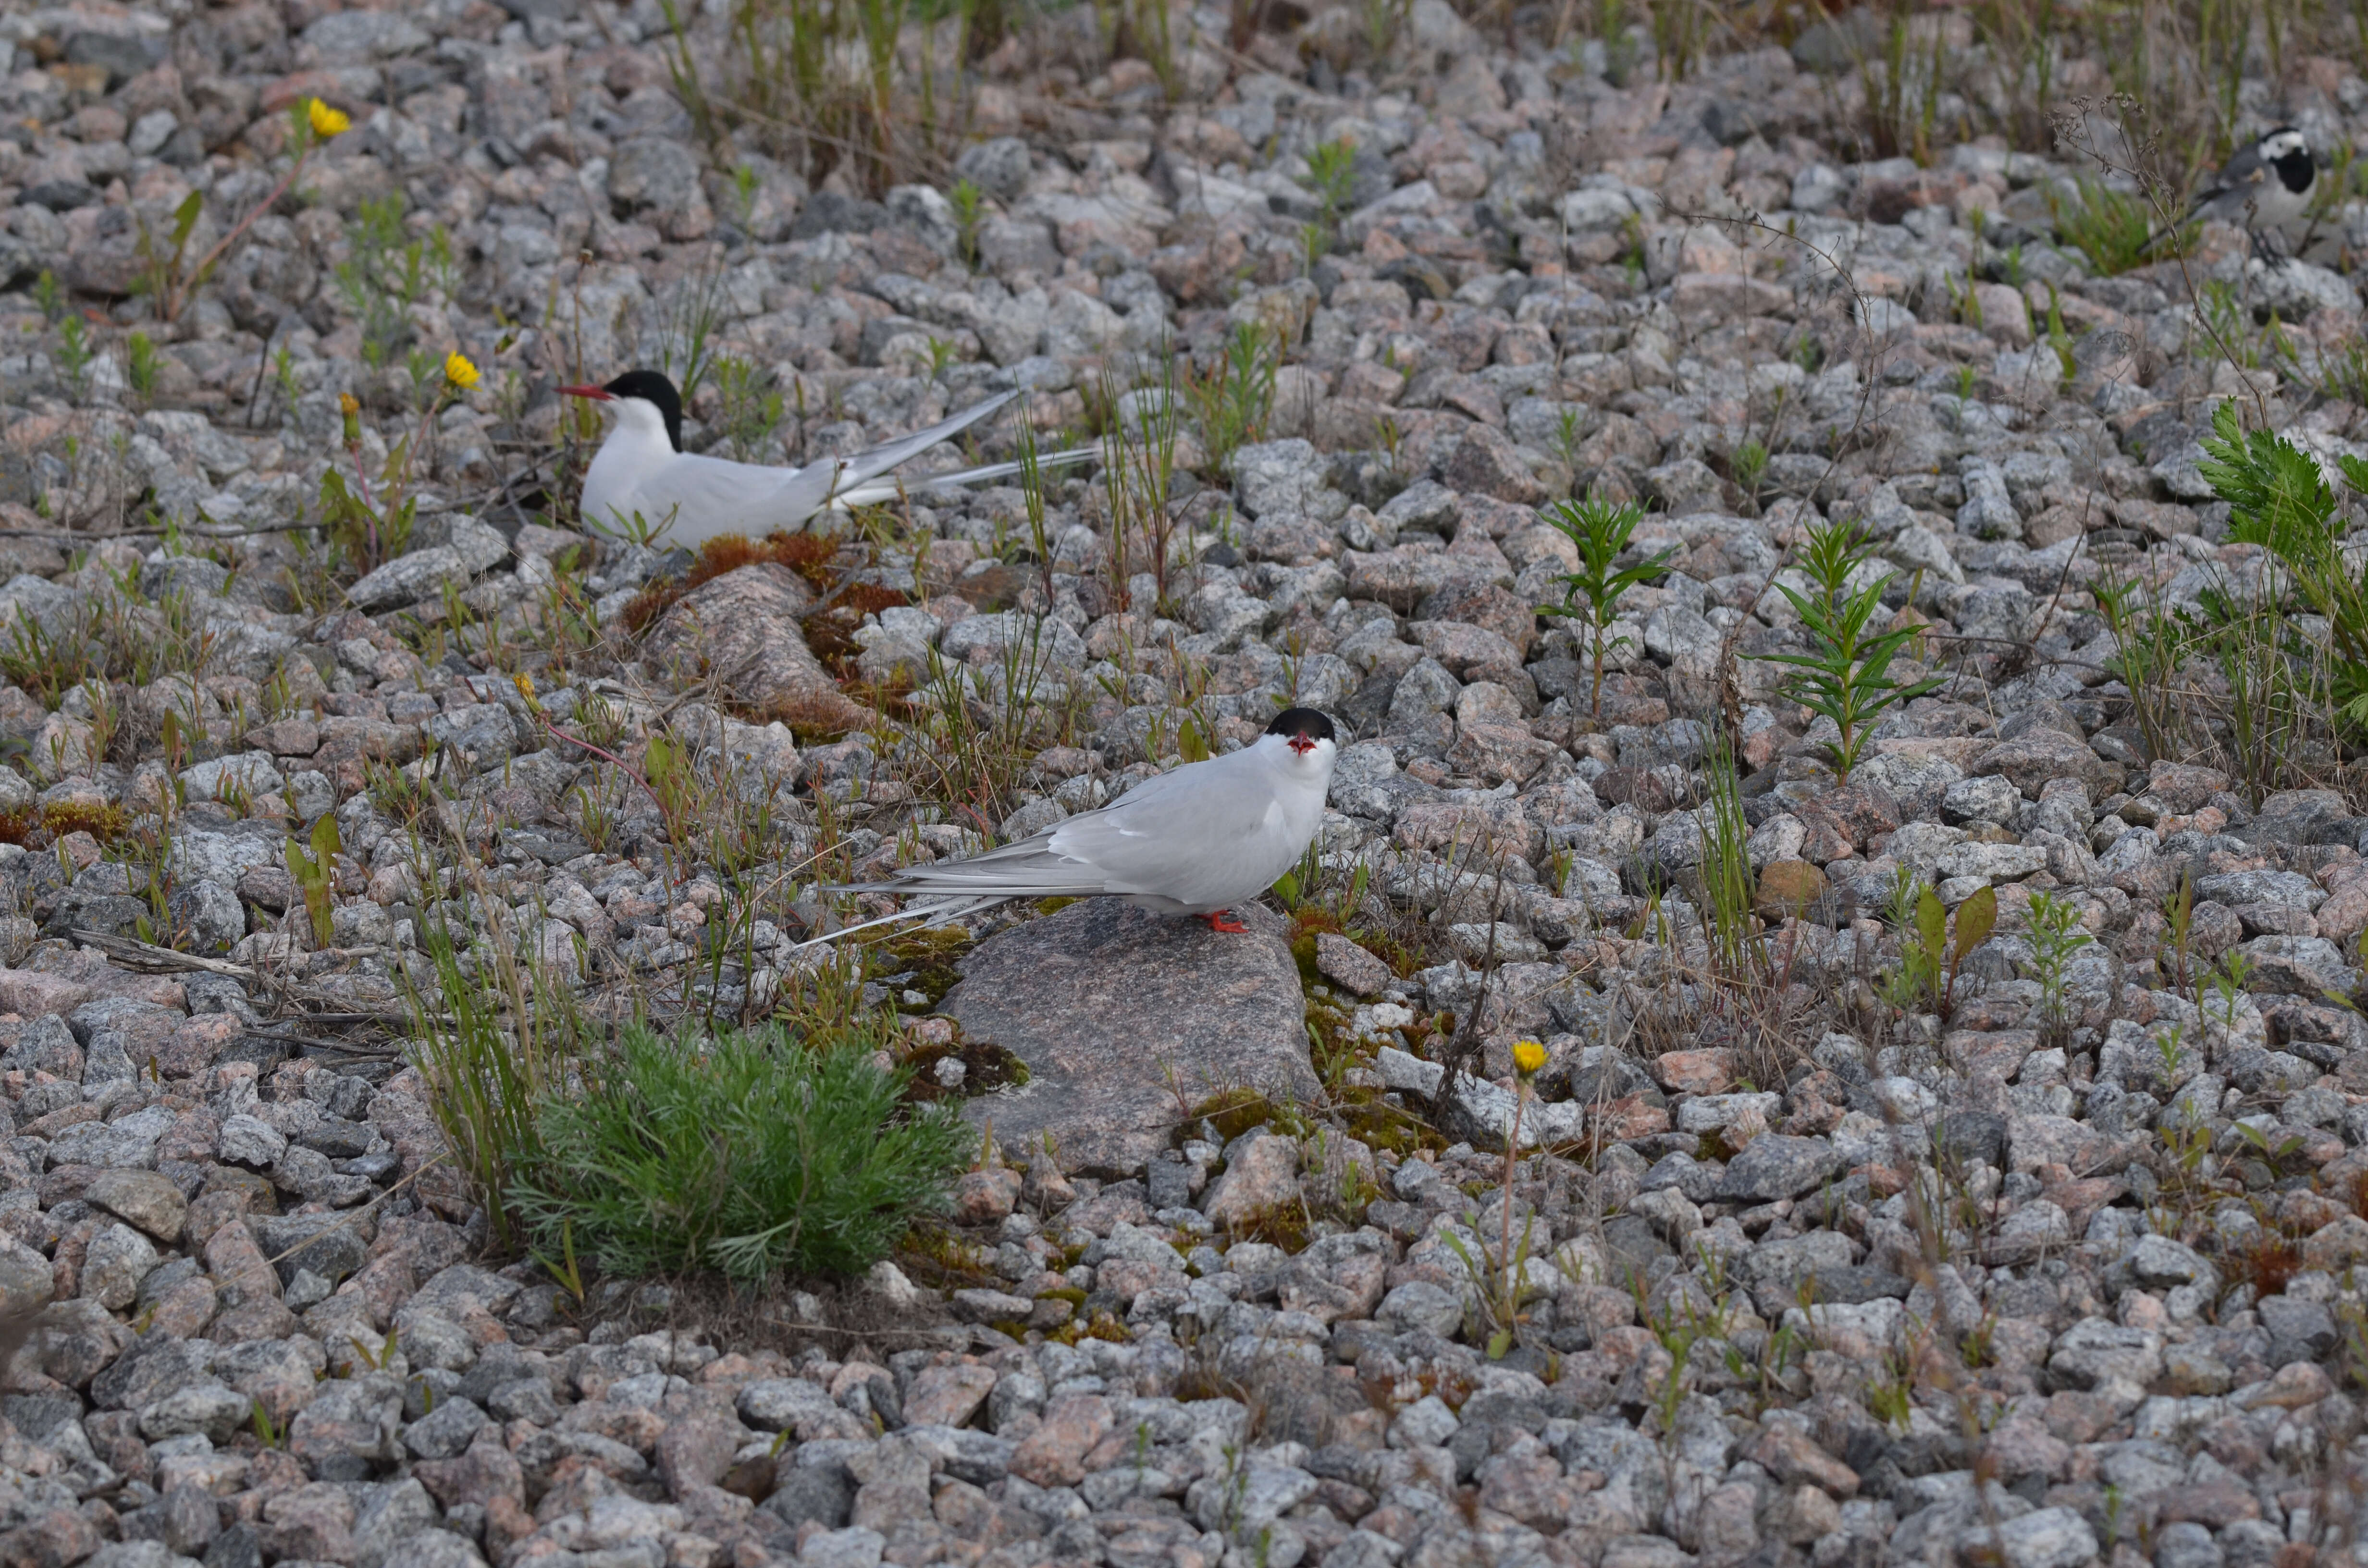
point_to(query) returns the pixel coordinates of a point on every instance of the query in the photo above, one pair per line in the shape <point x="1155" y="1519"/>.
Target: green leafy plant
<point x="385" y="273"/>
<point x="1233" y="398"/>
<point x="170" y="280"/>
<point x="2228" y="985"/>
<point x="1749" y="466"/>
<point x="314" y="873"/>
<point x="1331" y="176"/>
<point x="75" y="353"/>
<point x="1601" y="531"/>
<point x="2278" y="498"/>
<point x="1848" y="678"/>
<point x="747" y="1153"/>
<point x="140" y="365"/>
<point x="2054" y="936"/>
<point x="162" y="275"/>
<point x="1930" y="951"/>
<point x="748" y="406"/>
<point x="966" y="199"/>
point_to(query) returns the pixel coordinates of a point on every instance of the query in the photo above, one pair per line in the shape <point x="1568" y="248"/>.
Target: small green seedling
<point x="1848" y="678"/>
<point x="314" y="873"/>
<point x="1592" y="594"/>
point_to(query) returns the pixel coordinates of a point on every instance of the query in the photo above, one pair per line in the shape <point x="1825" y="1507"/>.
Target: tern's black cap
<point x="1301" y="721"/>
<point x="652" y="387"/>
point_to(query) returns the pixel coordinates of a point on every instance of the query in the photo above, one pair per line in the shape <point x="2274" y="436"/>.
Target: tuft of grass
<point x="1233" y="397"/>
<point x="750" y="407"/>
<point x="140" y="364"/>
<point x="483" y="1078"/>
<point x="2278" y="498"/>
<point x="387" y="271"/>
<point x="1727" y="881"/>
<point x="747" y="1153"/>
<point x="2113" y="229"/>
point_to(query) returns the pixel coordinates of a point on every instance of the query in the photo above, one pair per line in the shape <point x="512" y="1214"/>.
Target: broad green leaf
<point x="1975" y="916"/>
<point x="1931" y="922"/>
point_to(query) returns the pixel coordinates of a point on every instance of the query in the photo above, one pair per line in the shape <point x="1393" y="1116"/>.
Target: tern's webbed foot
<point x="1223" y="920"/>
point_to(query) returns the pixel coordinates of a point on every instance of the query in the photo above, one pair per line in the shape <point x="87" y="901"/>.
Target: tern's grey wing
<point x="887" y="489"/>
<point x="1029" y="868"/>
<point x="888" y="454"/>
<point x="1205" y="834"/>
<point x="814" y="486"/>
<point x="693" y="498"/>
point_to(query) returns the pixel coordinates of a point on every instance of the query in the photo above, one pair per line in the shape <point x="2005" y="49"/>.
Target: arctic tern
<point x="1199" y="841"/>
<point x="641" y="471"/>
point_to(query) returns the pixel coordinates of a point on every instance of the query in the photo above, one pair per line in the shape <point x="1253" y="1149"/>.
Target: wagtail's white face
<point x="2281" y="144"/>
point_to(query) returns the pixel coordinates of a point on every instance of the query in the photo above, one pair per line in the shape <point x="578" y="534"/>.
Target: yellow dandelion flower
<point x="326" y="121"/>
<point x="459" y="371"/>
<point x="1528" y="1057"/>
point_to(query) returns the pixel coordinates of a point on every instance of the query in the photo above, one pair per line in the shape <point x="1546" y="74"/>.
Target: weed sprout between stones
<point x="2054" y="937"/>
<point x="1930" y="951"/>
<point x="1846" y="678"/>
<point x="1601" y="530"/>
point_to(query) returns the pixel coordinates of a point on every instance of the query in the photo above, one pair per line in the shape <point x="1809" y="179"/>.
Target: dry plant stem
<point x="558" y="734"/>
<point x="1512" y="1159"/>
<point x="354" y="450"/>
<point x="170" y="307"/>
<point x="2069" y="129"/>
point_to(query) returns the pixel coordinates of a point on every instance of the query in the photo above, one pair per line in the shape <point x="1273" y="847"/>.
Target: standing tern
<point x="641" y="471"/>
<point x="1199" y="841"/>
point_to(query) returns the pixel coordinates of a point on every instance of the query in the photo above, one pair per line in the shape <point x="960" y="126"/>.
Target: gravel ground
<point x="2114" y="1320"/>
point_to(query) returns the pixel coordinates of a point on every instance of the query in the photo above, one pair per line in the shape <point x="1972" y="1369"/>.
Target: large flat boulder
<point x="1117" y="1011"/>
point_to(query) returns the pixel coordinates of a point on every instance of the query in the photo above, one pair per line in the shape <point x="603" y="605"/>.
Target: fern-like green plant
<point x="1847" y="676"/>
<point x="2278" y="498"/>
<point x="1592" y="595"/>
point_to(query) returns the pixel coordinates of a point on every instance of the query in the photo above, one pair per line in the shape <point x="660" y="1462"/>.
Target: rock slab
<point x="1115" y="1010"/>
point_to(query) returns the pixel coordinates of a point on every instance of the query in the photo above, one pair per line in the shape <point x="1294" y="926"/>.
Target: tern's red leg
<point x="1223" y="920"/>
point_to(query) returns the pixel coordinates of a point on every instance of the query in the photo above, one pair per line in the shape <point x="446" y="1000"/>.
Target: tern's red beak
<point x="598" y="394"/>
<point x="1302" y="744"/>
